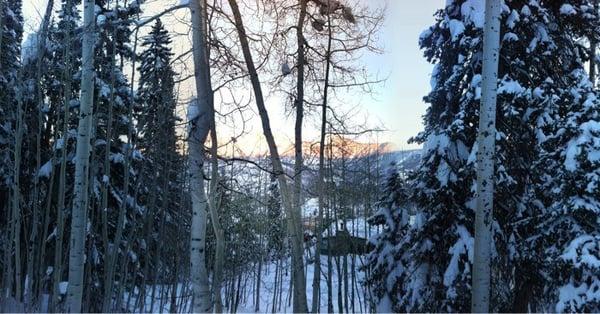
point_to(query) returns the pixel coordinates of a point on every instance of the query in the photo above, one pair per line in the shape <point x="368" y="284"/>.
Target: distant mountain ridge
<point x="406" y="160"/>
<point x="387" y="152"/>
<point x="342" y="147"/>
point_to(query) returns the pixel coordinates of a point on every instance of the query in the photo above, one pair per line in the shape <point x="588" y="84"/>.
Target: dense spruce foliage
<point x="545" y="230"/>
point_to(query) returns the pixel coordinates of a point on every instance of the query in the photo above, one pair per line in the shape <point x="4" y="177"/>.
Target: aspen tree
<point x="78" y="221"/>
<point x="200" y="119"/>
<point x="480" y="302"/>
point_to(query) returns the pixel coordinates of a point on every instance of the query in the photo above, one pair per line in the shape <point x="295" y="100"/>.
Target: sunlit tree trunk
<point x="480" y="301"/>
<point x="200" y="127"/>
<point x="78" y="221"/>
<point x="300" y="304"/>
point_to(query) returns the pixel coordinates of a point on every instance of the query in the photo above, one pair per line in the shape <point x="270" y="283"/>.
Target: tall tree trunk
<point x="130" y="136"/>
<point x="60" y="210"/>
<point x="296" y="218"/>
<point x="345" y="271"/>
<point x="31" y="256"/>
<point x="258" y="281"/>
<point x="200" y="127"/>
<point x="173" y="304"/>
<point x="78" y="221"/>
<point x="354" y="287"/>
<point x="114" y="253"/>
<point x="213" y="206"/>
<point x="16" y="193"/>
<point x="337" y="259"/>
<point x="345" y="245"/>
<point x="480" y="301"/>
<point x="280" y="298"/>
<point x="294" y="226"/>
<point x="93" y="170"/>
<point x="137" y="184"/>
<point x="321" y="177"/>
<point x="106" y="179"/>
<point x="40" y="287"/>
<point x="275" y="286"/>
<point x="329" y="258"/>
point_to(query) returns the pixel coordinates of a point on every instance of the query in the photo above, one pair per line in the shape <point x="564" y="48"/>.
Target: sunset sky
<point x="397" y="104"/>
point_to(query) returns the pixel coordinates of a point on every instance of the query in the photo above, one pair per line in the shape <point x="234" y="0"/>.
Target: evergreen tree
<point x="156" y="108"/>
<point x="554" y="216"/>
<point x="61" y="86"/>
<point x="276" y="223"/>
<point x="157" y="141"/>
<point x="393" y="217"/>
<point x="569" y="243"/>
<point x="11" y="32"/>
<point x="10" y="50"/>
<point x="116" y="162"/>
<point x="568" y="246"/>
<point x="538" y="52"/>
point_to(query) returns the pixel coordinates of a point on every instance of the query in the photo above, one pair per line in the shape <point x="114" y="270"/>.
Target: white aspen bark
<point x="300" y="305"/>
<point x="199" y="274"/>
<point x="82" y="160"/>
<point x="200" y="127"/>
<point x="486" y="137"/>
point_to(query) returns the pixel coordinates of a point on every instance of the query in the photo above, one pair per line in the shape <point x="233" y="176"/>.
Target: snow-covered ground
<point x="162" y="299"/>
<point x="272" y="289"/>
<point x="267" y="290"/>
